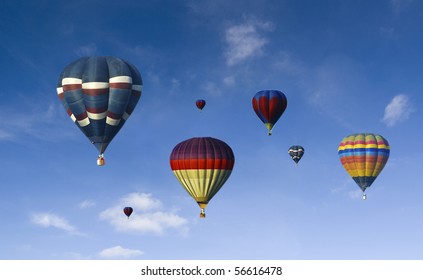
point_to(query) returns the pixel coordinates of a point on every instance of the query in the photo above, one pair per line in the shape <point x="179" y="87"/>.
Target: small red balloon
<point x="200" y="103"/>
<point x="128" y="211"/>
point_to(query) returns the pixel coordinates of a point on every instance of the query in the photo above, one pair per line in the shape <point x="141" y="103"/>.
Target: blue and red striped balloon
<point x="99" y="94"/>
<point x="269" y="106"/>
<point x="200" y="103"/>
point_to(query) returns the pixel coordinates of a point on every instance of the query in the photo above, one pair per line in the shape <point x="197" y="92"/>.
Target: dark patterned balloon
<point x="296" y="153"/>
<point x="99" y="94"/>
<point x="128" y="211"/>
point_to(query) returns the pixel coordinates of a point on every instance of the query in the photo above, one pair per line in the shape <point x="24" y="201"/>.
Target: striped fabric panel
<point x="269" y="105"/>
<point x="100" y="93"/>
<point x="364" y="156"/>
<point x="202" y="184"/>
<point x="202" y="153"/>
<point x="202" y="165"/>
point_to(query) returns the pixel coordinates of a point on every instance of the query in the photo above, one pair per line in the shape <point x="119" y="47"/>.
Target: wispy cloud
<point x="229" y="81"/>
<point x="148" y="216"/>
<point x="38" y="122"/>
<point x="48" y="220"/>
<point x="398" y="110"/>
<point x="211" y="89"/>
<point x="331" y="85"/>
<point x="245" y="40"/>
<point x="399" y="6"/>
<point x="356" y="194"/>
<point x="118" y="252"/>
<point x="86" y="204"/>
<point x="87" y="50"/>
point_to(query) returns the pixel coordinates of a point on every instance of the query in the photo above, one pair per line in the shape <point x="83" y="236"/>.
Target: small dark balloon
<point x="200" y="103"/>
<point x="128" y="211"/>
<point x="296" y="153"/>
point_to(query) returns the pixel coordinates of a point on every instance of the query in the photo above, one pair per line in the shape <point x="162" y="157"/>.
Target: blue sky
<point x="345" y="67"/>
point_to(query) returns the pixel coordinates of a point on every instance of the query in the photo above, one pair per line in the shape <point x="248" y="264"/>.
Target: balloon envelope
<point x="128" y="211"/>
<point x="296" y="153"/>
<point x="269" y="106"/>
<point x="200" y="103"/>
<point x="363" y="156"/>
<point x="202" y="165"/>
<point x="99" y="94"/>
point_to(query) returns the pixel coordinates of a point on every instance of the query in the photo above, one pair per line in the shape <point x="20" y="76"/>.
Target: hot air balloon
<point x="364" y="155"/>
<point x="99" y="94"/>
<point x="202" y="165"/>
<point x="200" y="103"/>
<point x="128" y="211"/>
<point x="296" y="153"/>
<point x="269" y="106"/>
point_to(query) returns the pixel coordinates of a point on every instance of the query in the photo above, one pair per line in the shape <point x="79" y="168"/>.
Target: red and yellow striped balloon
<point x="202" y="165"/>
<point x="363" y="156"/>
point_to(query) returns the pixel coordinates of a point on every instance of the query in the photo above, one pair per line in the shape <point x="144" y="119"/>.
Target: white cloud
<point x="398" y="110"/>
<point x="119" y="252"/>
<point x="146" y="218"/>
<point x="211" y="89"/>
<point x="4" y="135"/>
<point x="86" y="204"/>
<point x="87" y="50"/>
<point x="51" y="220"/>
<point x="356" y="194"/>
<point x="229" y="81"/>
<point x="245" y="41"/>
<point x="400" y="5"/>
<point x="40" y="121"/>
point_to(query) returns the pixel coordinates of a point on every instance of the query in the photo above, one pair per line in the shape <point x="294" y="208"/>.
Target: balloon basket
<point x="100" y="160"/>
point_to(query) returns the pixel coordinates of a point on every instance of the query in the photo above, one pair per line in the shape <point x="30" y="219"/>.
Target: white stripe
<point x="125" y="116"/>
<point x="111" y="121"/>
<point x="73" y="117"/>
<point x="137" y="87"/>
<point x="59" y="90"/>
<point x="121" y="79"/>
<point x="84" y="122"/>
<point x="95" y="85"/>
<point x="97" y="116"/>
<point x="71" y="81"/>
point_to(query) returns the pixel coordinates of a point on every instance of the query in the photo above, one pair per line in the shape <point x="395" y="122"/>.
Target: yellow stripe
<point x="202" y="184"/>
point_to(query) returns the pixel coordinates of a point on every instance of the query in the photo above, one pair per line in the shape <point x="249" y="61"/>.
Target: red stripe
<point x="81" y="116"/>
<point x="114" y="115"/>
<point x="361" y="159"/>
<point x="264" y="107"/>
<point x="72" y="87"/>
<point x="121" y="85"/>
<point x="95" y="91"/>
<point x="61" y="96"/>
<point x="96" y="110"/>
<point x="186" y="164"/>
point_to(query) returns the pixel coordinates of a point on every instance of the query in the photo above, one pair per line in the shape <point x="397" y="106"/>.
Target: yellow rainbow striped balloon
<point x="363" y="156"/>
